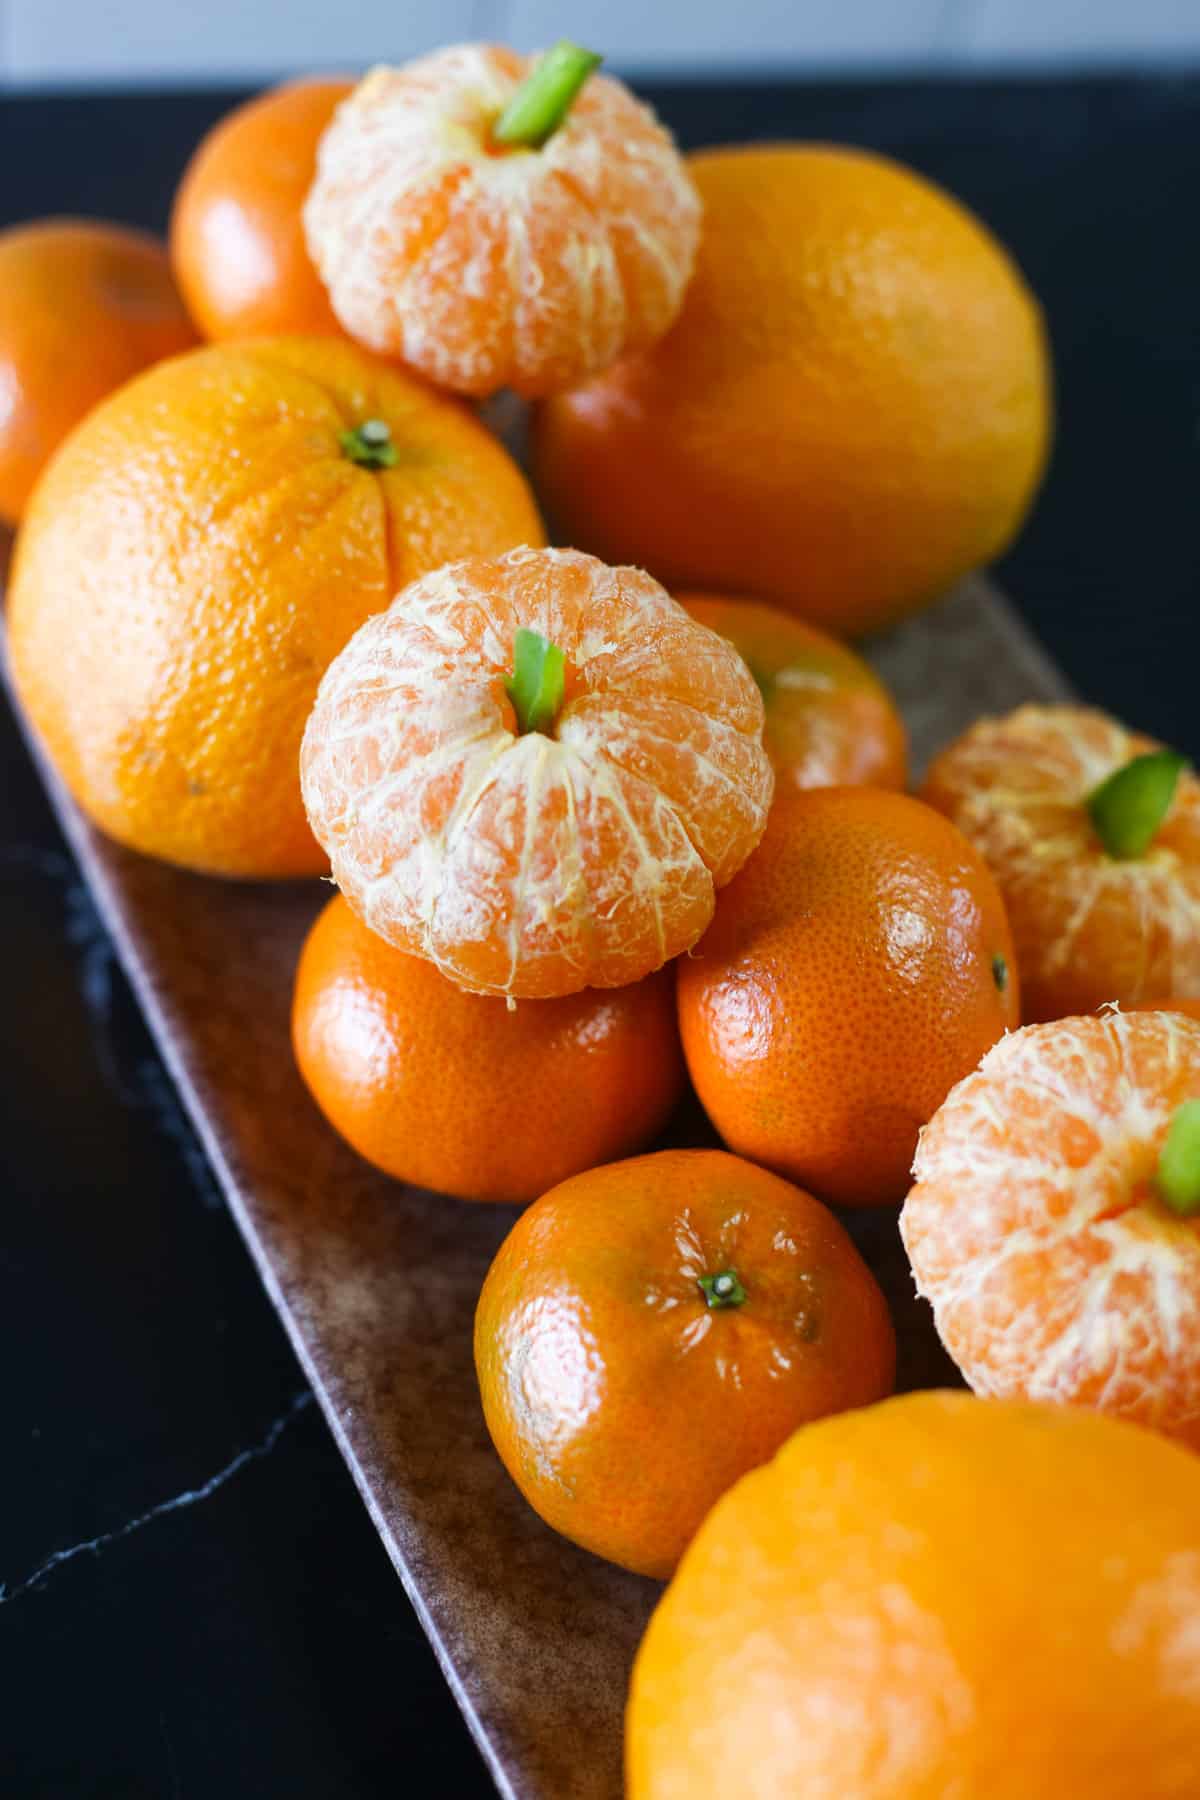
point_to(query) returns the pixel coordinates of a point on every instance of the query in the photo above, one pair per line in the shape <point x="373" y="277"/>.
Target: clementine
<point x="497" y="221"/>
<point x="1047" y="796"/>
<point x="852" y="410"/>
<point x="829" y="720"/>
<point x="426" y="1081"/>
<point x="651" y="1330"/>
<point x="200" y="550"/>
<point x="83" y="306"/>
<point x="859" y="966"/>
<point x="536" y="771"/>
<point x="237" y="237"/>
<point x="1059" y="1252"/>
<point x="937" y="1596"/>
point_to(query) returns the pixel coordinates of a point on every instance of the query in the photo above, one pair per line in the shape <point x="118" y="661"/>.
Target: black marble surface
<point x="193" y="1602"/>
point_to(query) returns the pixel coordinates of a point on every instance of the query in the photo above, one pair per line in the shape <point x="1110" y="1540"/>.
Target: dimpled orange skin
<point x="852" y="410"/>
<point x="195" y="556"/>
<point x="623" y="1405"/>
<point x="237" y="237"/>
<point x="1089" y="928"/>
<point x="460" y="1093"/>
<point x="830" y="722"/>
<point x="937" y="1596"/>
<point x="84" y="305"/>
<point x="848" y="981"/>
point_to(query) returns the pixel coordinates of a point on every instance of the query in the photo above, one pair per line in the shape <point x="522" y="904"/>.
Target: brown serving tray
<point x="376" y="1283"/>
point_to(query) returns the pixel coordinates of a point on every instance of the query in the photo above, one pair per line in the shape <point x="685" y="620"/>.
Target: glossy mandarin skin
<point x="535" y="862"/>
<point x="431" y="1084"/>
<point x="859" y="966"/>
<point x="830" y="722"/>
<point x="237" y="236"/>
<point x="621" y="1402"/>
<point x="1088" y="928"/>
<point x="83" y="307"/>
<point x="198" y="553"/>
<point x="852" y="410"/>
<point x="1036" y="1230"/>
<point x="937" y="1596"/>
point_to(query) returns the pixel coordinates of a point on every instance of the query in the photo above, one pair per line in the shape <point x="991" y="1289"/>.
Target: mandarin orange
<point x="486" y="264"/>
<point x="858" y="967"/>
<point x="1089" y="926"/>
<point x="851" y="411"/>
<point x="829" y="720"/>
<point x="237" y="236"/>
<point x="200" y="550"/>
<point x="530" y="857"/>
<point x="428" y="1082"/>
<point x="937" y="1596"/>
<point x="1056" y="1268"/>
<point x="651" y="1330"/>
<point x="84" y="305"/>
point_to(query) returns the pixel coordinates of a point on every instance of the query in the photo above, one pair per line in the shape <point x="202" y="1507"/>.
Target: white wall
<point x="48" y="42"/>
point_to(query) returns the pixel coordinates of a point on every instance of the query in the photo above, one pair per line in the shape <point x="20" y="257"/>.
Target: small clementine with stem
<point x="499" y="221"/>
<point x="536" y="771"/>
<point x="651" y="1330"/>
<point x="829" y="720"/>
<point x="425" y="1081"/>
<point x="1054" y="1224"/>
<point x="1093" y="834"/>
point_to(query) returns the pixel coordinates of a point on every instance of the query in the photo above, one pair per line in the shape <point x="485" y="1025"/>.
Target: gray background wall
<point x="70" y="42"/>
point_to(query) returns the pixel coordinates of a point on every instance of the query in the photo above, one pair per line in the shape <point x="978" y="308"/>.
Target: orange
<point x="651" y="1330"/>
<point x="485" y="266"/>
<point x="1191" y="1008"/>
<point x="1055" y="1267"/>
<point x="935" y="1597"/>
<point x="237" y="238"/>
<point x="859" y="966"/>
<point x="1089" y="927"/>
<point x="456" y="1091"/>
<point x="83" y="306"/>
<point x="852" y="410"/>
<point x="830" y="722"/>
<point x="527" y="859"/>
<point x="199" y="551"/>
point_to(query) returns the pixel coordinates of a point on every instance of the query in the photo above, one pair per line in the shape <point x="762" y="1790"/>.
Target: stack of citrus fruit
<point x="279" y="605"/>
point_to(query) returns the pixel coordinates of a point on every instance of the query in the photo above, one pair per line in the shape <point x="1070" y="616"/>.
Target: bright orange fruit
<point x="484" y="266"/>
<point x="651" y="1330"/>
<point x="859" y="966"/>
<point x="1089" y="927"/>
<point x="460" y="1093"/>
<point x="937" y="1596"/>
<point x="1056" y="1268"/>
<point x="84" y="305"/>
<point x="852" y="410"/>
<point x="829" y="720"/>
<point x="237" y="237"/>
<point x="201" y="549"/>
<point x="534" y="860"/>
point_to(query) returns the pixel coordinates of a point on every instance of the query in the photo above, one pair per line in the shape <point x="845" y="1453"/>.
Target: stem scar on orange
<point x="198" y="553"/>
<point x="536" y="771"/>
<point x="1093" y="834"/>
<point x="651" y="1330"/>
<point x="426" y="1081"/>
<point x="498" y="221"/>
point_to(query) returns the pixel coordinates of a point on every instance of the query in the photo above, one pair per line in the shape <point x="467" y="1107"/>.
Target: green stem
<point x="1178" y="1176"/>
<point x="544" y="98"/>
<point x="722" y="1289"/>
<point x="370" y="445"/>
<point x="538" y="680"/>
<point x="1128" y="809"/>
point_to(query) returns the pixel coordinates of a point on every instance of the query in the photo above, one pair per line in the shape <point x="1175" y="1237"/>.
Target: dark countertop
<point x="193" y="1601"/>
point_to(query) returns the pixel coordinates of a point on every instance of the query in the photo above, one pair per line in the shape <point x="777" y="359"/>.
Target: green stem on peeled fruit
<point x="1178" y="1174"/>
<point x="544" y="98"/>
<point x="1128" y="809"/>
<point x="537" y="682"/>
<point x="370" y="445"/>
